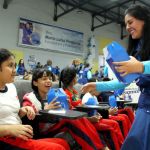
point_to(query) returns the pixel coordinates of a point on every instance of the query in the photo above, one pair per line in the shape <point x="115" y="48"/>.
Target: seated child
<point x="12" y="131"/>
<point x="81" y="129"/>
<point x="115" y="114"/>
<point x="105" y="96"/>
<point x="69" y="79"/>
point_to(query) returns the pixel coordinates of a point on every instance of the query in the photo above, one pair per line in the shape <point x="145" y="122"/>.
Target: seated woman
<point x="12" y="131"/>
<point x="81" y="129"/>
<point x="69" y="79"/>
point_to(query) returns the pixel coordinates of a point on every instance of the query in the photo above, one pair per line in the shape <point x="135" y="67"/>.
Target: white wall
<point x="42" y="11"/>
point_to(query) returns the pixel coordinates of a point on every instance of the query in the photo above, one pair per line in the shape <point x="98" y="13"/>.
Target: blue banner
<point x="39" y="35"/>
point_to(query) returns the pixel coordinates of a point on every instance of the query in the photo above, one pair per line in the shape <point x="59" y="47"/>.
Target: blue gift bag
<point x="91" y="101"/>
<point x="112" y="101"/>
<point x="115" y="52"/>
<point x="61" y="97"/>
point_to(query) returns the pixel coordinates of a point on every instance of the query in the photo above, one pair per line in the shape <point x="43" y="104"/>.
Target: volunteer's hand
<point x="89" y="87"/>
<point x="130" y="66"/>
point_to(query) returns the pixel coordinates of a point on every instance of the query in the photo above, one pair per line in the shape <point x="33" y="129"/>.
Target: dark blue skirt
<point x="139" y="135"/>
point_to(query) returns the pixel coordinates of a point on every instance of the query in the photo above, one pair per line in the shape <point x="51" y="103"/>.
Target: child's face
<point x="43" y="84"/>
<point x="8" y="71"/>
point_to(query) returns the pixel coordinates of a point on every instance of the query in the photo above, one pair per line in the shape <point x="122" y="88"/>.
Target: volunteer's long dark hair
<point x="141" y="13"/>
<point x="66" y="76"/>
<point x="38" y="73"/>
<point x="4" y="55"/>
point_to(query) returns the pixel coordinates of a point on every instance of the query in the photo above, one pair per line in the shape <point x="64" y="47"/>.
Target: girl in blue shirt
<point x="21" y="68"/>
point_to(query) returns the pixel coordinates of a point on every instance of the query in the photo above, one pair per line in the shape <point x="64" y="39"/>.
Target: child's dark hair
<point x="92" y="79"/>
<point x="4" y="55"/>
<point x="38" y="73"/>
<point x="106" y="79"/>
<point x="66" y="76"/>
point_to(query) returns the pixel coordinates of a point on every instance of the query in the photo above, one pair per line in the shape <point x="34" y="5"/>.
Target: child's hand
<point x="113" y="111"/>
<point x="94" y="118"/>
<point x="24" y="132"/>
<point x="27" y="110"/>
<point x="53" y="104"/>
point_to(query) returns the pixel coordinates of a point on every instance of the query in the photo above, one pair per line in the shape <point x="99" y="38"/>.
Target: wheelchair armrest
<point x="46" y="117"/>
<point x="103" y="103"/>
<point x="7" y="146"/>
<point x="35" y="123"/>
<point x="101" y="108"/>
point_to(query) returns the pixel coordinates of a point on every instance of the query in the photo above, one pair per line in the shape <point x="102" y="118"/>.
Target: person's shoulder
<point x="11" y="89"/>
<point x="29" y="95"/>
<point x="86" y="97"/>
<point x="11" y="86"/>
<point x="88" y="94"/>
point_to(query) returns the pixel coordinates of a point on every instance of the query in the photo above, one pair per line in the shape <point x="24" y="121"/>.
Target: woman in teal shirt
<point x="137" y="20"/>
